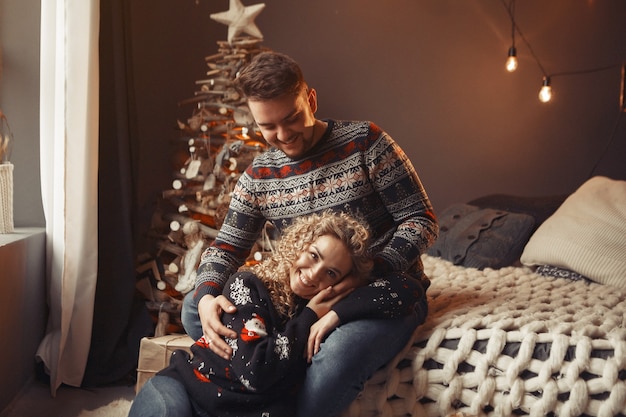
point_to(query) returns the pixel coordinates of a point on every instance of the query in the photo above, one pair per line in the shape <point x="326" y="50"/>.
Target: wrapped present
<point x="155" y="353"/>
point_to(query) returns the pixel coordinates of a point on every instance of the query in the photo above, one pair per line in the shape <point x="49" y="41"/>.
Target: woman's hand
<point x="210" y="310"/>
<point x="321" y="304"/>
<point x="324" y="300"/>
<point x="319" y="331"/>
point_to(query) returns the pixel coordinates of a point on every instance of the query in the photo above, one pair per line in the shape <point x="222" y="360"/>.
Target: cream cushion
<point x="586" y="234"/>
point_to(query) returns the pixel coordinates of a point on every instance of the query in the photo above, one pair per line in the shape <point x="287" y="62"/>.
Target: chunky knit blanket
<point x="507" y="342"/>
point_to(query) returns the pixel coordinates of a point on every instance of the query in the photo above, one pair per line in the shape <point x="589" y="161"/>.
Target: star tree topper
<point x="240" y="18"/>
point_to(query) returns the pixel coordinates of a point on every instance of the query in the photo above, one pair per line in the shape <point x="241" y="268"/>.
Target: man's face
<point x="288" y="122"/>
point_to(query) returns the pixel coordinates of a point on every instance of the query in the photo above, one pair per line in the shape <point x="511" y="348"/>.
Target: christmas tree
<point x="217" y="143"/>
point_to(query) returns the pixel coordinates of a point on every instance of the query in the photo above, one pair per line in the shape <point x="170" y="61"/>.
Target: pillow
<point x="481" y="238"/>
<point x="539" y="207"/>
<point x="587" y="234"/>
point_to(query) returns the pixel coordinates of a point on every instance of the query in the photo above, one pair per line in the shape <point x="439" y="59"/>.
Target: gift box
<point x="155" y="353"/>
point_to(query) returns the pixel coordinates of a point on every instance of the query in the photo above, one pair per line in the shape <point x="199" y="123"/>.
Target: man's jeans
<point x="347" y="359"/>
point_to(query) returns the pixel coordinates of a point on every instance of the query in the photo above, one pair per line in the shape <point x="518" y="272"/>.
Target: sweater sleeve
<point x="395" y="295"/>
<point x="265" y="350"/>
<point x="235" y="239"/>
<point x="399" y="187"/>
<point x="411" y="230"/>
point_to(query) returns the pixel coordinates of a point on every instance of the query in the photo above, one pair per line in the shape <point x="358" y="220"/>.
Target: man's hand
<point x="319" y="331"/>
<point x="210" y="310"/>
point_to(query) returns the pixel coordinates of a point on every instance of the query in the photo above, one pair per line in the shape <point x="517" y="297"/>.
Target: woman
<point x="277" y="301"/>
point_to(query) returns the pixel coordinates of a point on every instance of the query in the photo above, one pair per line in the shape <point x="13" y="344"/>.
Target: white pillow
<point x="587" y="233"/>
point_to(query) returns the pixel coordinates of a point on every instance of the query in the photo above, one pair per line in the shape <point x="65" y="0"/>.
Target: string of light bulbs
<point x="545" y="92"/>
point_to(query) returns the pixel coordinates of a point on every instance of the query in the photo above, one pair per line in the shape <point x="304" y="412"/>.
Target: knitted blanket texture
<point x="507" y="342"/>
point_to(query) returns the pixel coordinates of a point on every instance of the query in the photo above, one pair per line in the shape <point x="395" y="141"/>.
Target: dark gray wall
<point x="430" y="72"/>
<point x="19" y="100"/>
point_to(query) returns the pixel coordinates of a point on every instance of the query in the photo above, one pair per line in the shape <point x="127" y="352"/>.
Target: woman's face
<point x="325" y="262"/>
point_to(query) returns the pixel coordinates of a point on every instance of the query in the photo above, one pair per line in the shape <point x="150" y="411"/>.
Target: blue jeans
<point x="346" y="360"/>
<point x="162" y="396"/>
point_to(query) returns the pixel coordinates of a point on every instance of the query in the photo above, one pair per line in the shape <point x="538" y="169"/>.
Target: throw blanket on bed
<point x="508" y="342"/>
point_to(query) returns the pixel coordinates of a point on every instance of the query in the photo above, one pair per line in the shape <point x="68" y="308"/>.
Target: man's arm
<point x="221" y="259"/>
<point x="405" y="199"/>
<point x="395" y="293"/>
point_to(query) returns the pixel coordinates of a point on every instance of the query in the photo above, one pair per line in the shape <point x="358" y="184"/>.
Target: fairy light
<point x="511" y="61"/>
<point x="545" y="94"/>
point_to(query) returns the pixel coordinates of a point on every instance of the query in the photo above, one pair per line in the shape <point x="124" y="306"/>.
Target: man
<point x="315" y="165"/>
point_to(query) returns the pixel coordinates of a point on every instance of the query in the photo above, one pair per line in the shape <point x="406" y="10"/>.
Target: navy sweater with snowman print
<point x="268" y="365"/>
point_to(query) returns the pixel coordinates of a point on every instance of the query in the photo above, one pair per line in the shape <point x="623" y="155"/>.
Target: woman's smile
<point x="324" y="263"/>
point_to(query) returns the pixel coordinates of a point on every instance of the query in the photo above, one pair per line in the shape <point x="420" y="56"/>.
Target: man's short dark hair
<point x="270" y="75"/>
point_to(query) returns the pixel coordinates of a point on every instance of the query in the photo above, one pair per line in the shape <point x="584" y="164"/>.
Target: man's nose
<point x="282" y="134"/>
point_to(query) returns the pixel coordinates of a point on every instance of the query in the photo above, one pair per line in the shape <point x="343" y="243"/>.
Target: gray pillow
<point x="481" y="237"/>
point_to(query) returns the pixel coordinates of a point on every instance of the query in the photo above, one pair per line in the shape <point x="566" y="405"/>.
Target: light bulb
<point x="545" y="94"/>
<point x="511" y="62"/>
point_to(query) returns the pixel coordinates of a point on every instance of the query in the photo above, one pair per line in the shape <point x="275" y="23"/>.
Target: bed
<point x="527" y="310"/>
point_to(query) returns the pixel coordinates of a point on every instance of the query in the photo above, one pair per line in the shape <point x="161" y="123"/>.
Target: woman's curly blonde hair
<point x="274" y="271"/>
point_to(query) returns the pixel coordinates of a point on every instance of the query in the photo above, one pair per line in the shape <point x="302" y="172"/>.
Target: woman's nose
<point x="316" y="273"/>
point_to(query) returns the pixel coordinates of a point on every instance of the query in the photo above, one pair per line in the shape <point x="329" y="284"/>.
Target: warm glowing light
<point x="511" y="62"/>
<point x="545" y="94"/>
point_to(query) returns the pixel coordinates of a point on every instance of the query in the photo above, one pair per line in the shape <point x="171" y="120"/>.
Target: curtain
<point x="120" y="317"/>
<point x="69" y="172"/>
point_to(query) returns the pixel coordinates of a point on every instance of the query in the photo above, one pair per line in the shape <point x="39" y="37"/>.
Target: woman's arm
<point x="265" y="349"/>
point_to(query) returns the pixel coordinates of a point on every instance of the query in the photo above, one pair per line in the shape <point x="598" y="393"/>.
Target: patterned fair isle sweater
<point x="267" y="366"/>
<point x="357" y="168"/>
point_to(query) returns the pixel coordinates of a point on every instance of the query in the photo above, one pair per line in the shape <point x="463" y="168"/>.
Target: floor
<point x="36" y="401"/>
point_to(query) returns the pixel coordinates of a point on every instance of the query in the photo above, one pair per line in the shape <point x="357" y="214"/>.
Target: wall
<point x="430" y="72"/>
<point x="19" y="100"/>
<point x="22" y="311"/>
<point x="22" y="254"/>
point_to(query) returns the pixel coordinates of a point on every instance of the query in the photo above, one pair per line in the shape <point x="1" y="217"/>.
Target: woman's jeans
<point x="162" y="396"/>
<point x="346" y="360"/>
